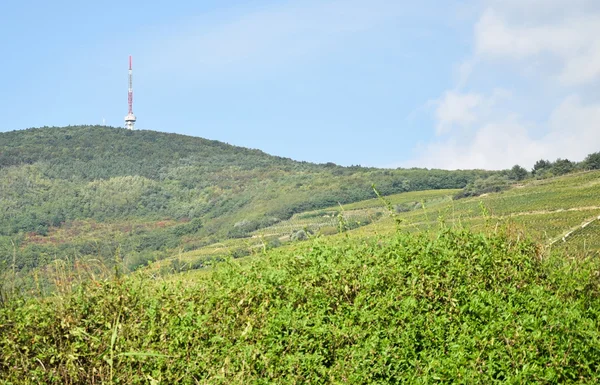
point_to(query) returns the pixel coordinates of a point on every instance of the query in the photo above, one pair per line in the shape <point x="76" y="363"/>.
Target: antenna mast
<point x="130" y="118"/>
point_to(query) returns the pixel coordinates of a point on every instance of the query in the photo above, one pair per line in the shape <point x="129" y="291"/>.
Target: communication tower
<point x="130" y="118"/>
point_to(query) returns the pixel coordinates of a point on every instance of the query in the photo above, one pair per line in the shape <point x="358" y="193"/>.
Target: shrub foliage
<point x="452" y="307"/>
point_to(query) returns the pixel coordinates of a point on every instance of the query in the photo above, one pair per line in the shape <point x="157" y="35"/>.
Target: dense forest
<point x="161" y="191"/>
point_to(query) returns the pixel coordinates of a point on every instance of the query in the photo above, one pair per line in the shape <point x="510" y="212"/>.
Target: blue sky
<point x="387" y="83"/>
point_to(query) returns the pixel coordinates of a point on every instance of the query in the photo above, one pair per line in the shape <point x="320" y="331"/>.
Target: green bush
<point x="299" y="235"/>
<point x="452" y="307"/>
<point x="492" y="184"/>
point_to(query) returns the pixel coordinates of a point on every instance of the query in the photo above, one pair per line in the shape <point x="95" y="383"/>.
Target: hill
<point x="411" y="287"/>
<point x="72" y="192"/>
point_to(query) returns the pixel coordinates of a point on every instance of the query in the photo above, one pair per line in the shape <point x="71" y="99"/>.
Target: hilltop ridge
<point x="110" y="151"/>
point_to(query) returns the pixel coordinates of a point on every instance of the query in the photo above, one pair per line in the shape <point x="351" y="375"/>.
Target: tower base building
<point x="130" y="121"/>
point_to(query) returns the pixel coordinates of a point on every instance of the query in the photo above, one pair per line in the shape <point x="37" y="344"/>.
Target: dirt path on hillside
<point x="522" y="213"/>
<point x="545" y="212"/>
<point x="567" y="233"/>
<point x="573" y="230"/>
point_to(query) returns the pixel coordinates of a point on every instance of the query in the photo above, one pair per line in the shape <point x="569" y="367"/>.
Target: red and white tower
<point x="130" y="118"/>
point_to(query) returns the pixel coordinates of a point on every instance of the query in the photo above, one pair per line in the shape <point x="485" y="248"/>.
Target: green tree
<point x="518" y="173"/>
<point x="592" y="161"/>
<point x="562" y="166"/>
<point x="492" y="184"/>
<point x="540" y="166"/>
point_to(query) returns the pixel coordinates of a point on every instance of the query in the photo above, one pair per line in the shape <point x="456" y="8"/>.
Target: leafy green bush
<point x="492" y="184"/>
<point x="452" y="307"/>
<point x="134" y="261"/>
<point x="299" y="235"/>
<point x="190" y="227"/>
<point x="562" y="167"/>
<point x="240" y="252"/>
<point x="274" y="243"/>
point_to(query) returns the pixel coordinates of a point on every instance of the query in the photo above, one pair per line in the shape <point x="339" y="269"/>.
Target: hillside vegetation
<point x="415" y="286"/>
<point x="550" y="212"/>
<point x="90" y="191"/>
<point x="544" y="210"/>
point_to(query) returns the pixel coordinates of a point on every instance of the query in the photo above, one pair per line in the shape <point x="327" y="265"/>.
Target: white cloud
<point x="574" y="129"/>
<point x="559" y="37"/>
<point x="573" y="132"/>
<point x="494" y="146"/>
<point x="572" y="41"/>
<point x="456" y="108"/>
<point x="465" y="69"/>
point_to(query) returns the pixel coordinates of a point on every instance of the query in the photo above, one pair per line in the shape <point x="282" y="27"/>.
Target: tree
<point x="518" y="173"/>
<point x="541" y="165"/>
<point x="492" y="184"/>
<point x="562" y="166"/>
<point x="592" y="161"/>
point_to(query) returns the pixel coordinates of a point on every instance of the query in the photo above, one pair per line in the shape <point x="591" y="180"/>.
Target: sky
<point x="384" y="83"/>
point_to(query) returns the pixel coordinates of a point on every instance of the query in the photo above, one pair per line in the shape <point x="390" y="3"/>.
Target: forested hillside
<point x="146" y="192"/>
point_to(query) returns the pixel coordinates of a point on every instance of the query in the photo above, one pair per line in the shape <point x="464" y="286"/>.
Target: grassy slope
<point x="319" y="221"/>
<point x="544" y="210"/>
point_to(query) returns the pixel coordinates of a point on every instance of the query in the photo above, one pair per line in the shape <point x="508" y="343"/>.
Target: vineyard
<point x="355" y="215"/>
<point x="540" y="210"/>
<point x="544" y="210"/>
<point x="582" y="241"/>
